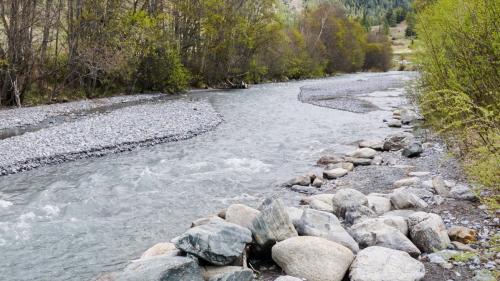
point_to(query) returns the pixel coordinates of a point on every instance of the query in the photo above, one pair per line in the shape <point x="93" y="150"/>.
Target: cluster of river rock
<point x="330" y="237"/>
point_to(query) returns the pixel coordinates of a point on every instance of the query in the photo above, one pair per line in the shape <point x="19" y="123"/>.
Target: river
<point x="75" y="220"/>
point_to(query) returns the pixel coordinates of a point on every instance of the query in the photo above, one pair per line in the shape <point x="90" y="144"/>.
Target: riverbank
<point x="59" y="133"/>
<point x="370" y="214"/>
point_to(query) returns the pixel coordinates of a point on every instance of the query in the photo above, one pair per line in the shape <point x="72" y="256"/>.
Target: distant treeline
<point x="54" y="50"/>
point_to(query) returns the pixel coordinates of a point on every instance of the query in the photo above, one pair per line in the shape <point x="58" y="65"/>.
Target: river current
<point x="76" y="220"/>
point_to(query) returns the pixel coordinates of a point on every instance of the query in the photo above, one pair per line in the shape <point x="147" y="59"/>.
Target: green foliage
<point x="460" y="82"/>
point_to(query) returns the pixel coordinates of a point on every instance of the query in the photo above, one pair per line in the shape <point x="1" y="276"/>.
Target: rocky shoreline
<point x="394" y="209"/>
<point x="101" y="133"/>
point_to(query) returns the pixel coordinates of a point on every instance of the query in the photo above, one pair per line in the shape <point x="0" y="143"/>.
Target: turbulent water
<point x="76" y="220"/>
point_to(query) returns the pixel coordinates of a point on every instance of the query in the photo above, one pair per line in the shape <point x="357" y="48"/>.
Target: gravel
<point x="100" y="134"/>
<point x="30" y="116"/>
<point x="344" y="96"/>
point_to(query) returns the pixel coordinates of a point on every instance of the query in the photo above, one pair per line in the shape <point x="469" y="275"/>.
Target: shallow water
<point x="75" y="220"/>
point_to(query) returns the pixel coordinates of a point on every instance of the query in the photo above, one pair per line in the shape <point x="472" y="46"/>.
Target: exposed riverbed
<point x="75" y="220"/>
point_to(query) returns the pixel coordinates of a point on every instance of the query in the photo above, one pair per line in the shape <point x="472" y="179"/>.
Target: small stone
<point x="335" y="173"/>
<point x="383" y="264"/>
<point x="407" y="182"/>
<point x="462" y="234"/>
<point x="330" y="159"/>
<point x="413" y="150"/>
<point x="397" y="141"/>
<point x="161" y="249"/>
<point x="419" y="174"/>
<point x="343" y="165"/>
<point x="440" y="186"/>
<point x="462" y="247"/>
<point x="373" y="144"/>
<point x="359" y="161"/>
<point x="364" y="153"/>
<point x="318" y="182"/>
<point x="302" y="181"/>
<point x="295" y="214"/>
<point x="394" y="123"/>
<point x="462" y="192"/>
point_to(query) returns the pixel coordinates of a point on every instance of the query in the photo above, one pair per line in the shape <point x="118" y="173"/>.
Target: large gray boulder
<point x="321" y="205"/>
<point x="384" y="264"/>
<point x="397" y="141"/>
<point x="161" y="268"/>
<point x="397" y="222"/>
<point x="402" y="198"/>
<point x="272" y="224"/>
<point x="295" y="214"/>
<point x="428" y="232"/>
<point x="227" y="273"/>
<point x="347" y="198"/>
<point x="377" y="233"/>
<point x="219" y="243"/>
<point x="325" y="225"/>
<point x="313" y="258"/>
<point x="241" y="215"/>
<point x="357" y="213"/>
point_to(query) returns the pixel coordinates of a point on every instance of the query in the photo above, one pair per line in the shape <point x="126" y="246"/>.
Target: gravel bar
<point x="343" y="97"/>
<point x="119" y="130"/>
<point x="31" y="116"/>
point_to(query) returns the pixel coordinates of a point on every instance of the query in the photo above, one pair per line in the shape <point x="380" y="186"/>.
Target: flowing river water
<point x="76" y="220"/>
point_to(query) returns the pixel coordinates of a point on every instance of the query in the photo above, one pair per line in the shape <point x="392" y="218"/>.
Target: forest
<point x="55" y="50"/>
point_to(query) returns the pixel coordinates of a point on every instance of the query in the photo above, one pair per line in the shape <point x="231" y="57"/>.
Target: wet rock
<point x="334" y="173"/>
<point x="313" y="258"/>
<point x="407" y="182"/>
<point x="383" y="264"/>
<point x="227" y="273"/>
<point x="440" y="187"/>
<point x="462" y="192"/>
<point x="397" y="141"/>
<point x="394" y="123"/>
<point x="206" y="220"/>
<point x="375" y="233"/>
<point x="319" y="205"/>
<point x="288" y="278"/>
<point x="325" y="225"/>
<point x="462" y="234"/>
<point x="219" y="243"/>
<point x="241" y="215"/>
<point x="428" y="232"/>
<point x="272" y="224"/>
<point x="359" y="161"/>
<point x="161" y="268"/>
<point x="403" y="199"/>
<point x="330" y="159"/>
<point x="161" y="249"/>
<point x="412" y="150"/>
<point x="378" y="204"/>
<point x="347" y="198"/>
<point x="342" y="165"/>
<point x="364" y="153"/>
<point x="318" y="182"/>
<point x="373" y="144"/>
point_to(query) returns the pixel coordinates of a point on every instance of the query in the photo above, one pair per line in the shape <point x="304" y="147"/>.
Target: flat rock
<point x="428" y="232"/>
<point x="219" y="243"/>
<point x="376" y="233"/>
<point x="330" y="159"/>
<point x="241" y="215"/>
<point x="462" y="234"/>
<point x="407" y="182"/>
<point x="419" y="174"/>
<point x="313" y="258"/>
<point x="334" y="173"/>
<point x="373" y="144"/>
<point x="384" y="264"/>
<point x="288" y="278"/>
<point x="347" y="198"/>
<point x="364" y="153"/>
<point x="272" y="224"/>
<point x="161" y="249"/>
<point x="342" y="165"/>
<point x="161" y="268"/>
<point x="359" y="161"/>
<point x="397" y="222"/>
